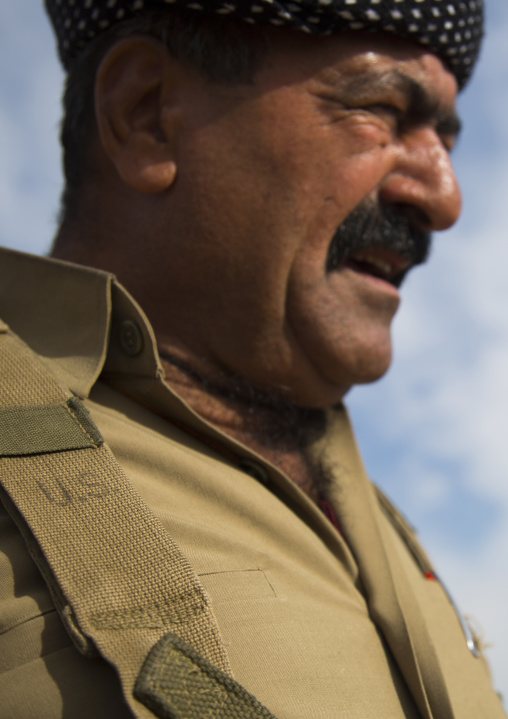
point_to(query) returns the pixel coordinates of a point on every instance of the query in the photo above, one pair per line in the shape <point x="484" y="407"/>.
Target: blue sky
<point x="432" y="432"/>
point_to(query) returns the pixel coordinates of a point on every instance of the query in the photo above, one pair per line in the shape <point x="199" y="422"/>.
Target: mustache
<point x="375" y="225"/>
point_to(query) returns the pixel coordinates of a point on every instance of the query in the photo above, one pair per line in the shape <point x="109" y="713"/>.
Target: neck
<point x="280" y="432"/>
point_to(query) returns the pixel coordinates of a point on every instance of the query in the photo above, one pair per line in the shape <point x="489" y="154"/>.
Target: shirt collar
<point x="83" y="324"/>
<point x="79" y="320"/>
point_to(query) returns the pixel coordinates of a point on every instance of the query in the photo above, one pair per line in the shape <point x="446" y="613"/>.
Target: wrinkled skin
<point x="228" y="249"/>
<point x="271" y="176"/>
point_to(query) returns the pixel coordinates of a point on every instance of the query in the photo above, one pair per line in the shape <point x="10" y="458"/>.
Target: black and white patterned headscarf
<point x="452" y="29"/>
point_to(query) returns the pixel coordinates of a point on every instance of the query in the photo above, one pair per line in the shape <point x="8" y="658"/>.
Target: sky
<point x="432" y="432"/>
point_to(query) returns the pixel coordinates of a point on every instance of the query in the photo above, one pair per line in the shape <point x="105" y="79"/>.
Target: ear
<point x="137" y="123"/>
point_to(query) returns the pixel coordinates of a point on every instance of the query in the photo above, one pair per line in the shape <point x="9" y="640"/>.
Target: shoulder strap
<point x="121" y="585"/>
<point x="408" y="535"/>
<point x="405" y="530"/>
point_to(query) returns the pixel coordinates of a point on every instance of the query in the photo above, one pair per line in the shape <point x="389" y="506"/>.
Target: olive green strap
<point x="118" y="580"/>
<point x="393" y="605"/>
<point x="175" y="694"/>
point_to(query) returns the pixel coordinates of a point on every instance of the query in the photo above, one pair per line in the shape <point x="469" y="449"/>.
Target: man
<point x="260" y="177"/>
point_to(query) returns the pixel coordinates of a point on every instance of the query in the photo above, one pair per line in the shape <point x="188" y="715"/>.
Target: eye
<point x="390" y="113"/>
<point x="385" y="107"/>
<point x="448" y="131"/>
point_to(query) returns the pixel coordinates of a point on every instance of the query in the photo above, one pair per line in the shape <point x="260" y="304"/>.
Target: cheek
<point x="333" y="189"/>
<point x="339" y="165"/>
<point x="343" y="329"/>
<point x="360" y="169"/>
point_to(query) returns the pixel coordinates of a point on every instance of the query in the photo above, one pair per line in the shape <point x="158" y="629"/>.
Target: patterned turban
<point x="451" y="29"/>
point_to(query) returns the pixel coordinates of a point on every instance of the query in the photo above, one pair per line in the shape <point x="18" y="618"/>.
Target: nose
<point x="423" y="183"/>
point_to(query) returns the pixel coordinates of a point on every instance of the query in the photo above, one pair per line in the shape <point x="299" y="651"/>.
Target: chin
<point x="325" y="380"/>
<point x="373" y="373"/>
<point x="366" y="371"/>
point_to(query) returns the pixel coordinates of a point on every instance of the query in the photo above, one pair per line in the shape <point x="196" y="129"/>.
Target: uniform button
<point x="254" y="469"/>
<point x="130" y="337"/>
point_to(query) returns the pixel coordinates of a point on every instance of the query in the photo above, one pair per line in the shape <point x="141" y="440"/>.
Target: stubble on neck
<point x="280" y="432"/>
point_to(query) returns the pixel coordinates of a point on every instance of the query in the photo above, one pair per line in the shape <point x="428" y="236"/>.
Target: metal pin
<point x="471" y="642"/>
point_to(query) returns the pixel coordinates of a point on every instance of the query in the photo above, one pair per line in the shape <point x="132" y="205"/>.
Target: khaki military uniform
<point x="315" y="626"/>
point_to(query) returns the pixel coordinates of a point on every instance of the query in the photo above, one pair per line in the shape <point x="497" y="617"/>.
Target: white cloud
<point x="30" y="86"/>
<point x="435" y="430"/>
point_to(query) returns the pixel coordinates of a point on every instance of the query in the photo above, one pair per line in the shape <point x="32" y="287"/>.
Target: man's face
<point x="302" y="201"/>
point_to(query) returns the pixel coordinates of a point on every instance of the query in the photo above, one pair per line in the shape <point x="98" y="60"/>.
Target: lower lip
<point x="378" y="282"/>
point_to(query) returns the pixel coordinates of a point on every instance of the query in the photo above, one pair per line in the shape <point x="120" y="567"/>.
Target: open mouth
<point x="380" y="262"/>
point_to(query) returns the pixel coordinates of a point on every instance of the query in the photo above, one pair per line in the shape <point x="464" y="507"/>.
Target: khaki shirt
<point x="315" y="627"/>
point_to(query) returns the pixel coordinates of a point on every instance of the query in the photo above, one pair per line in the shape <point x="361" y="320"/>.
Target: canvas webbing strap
<point x="122" y="587"/>
<point x="393" y="605"/>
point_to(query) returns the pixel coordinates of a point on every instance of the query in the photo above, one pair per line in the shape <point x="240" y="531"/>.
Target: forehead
<point x="349" y="57"/>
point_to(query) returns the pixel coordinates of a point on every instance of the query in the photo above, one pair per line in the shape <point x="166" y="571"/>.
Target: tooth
<point x="381" y="265"/>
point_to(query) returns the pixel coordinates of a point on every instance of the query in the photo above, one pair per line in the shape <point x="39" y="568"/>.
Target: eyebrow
<point x="423" y="107"/>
